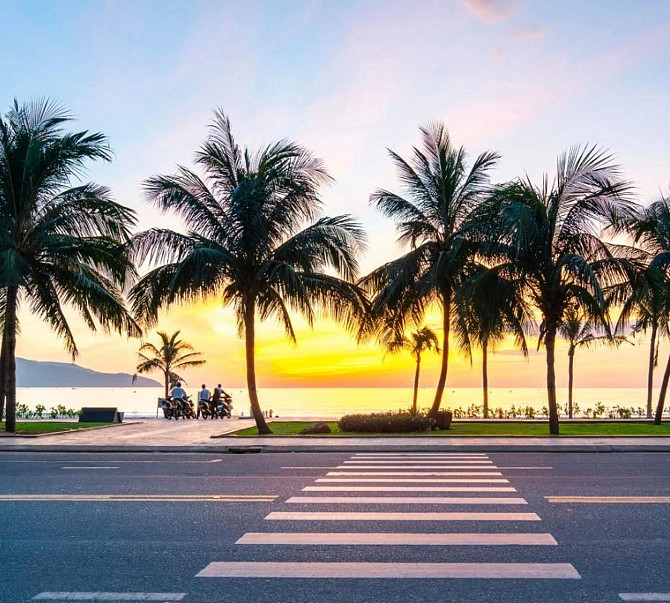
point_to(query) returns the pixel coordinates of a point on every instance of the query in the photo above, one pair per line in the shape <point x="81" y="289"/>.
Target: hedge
<point x="388" y="422"/>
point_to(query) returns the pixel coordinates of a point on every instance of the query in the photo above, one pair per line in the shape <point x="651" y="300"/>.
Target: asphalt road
<point x="172" y="517"/>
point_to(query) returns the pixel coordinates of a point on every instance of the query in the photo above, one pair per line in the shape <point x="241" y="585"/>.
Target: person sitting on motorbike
<point x="203" y="398"/>
<point x="178" y="392"/>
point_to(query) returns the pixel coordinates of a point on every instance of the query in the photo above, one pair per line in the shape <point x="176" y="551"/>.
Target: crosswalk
<point x="475" y="491"/>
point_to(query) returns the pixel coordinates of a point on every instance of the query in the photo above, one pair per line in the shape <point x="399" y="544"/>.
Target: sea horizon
<point x="333" y="401"/>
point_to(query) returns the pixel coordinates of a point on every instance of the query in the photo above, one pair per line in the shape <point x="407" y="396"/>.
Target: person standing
<point x="203" y="398"/>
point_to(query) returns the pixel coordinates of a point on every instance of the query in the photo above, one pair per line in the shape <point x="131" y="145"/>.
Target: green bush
<point x="388" y="422"/>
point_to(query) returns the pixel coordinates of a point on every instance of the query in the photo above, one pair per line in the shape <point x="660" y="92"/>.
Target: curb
<point x="205" y="449"/>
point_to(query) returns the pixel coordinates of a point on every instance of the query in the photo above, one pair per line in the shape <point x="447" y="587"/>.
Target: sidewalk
<point x="159" y="435"/>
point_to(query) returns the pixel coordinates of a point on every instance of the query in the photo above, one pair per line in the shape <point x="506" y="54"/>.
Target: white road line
<point x="264" y="569"/>
<point x="609" y="499"/>
<point x="322" y="467"/>
<point x="413" y="481"/>
<point x="395" y="539"/>
<point x="416" y="473"/>
<point x="389" y="467"/>
<point x="415" y="461"/>
<point x="344" y="516"/>
<point x="440" y="454"/>
<point x="644" y="596"/>
<point x="408" y="489"/>
<point x="404" y="500"/>
<point x="108" y="596"/>
<point x="525" y="468"/>
<point x="106" y="467"/>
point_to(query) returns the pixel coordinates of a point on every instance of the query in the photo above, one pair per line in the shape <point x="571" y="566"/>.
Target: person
<point x="178" y="392"/>
<point x="223" y="400"/>
<point x="203" y="398"/>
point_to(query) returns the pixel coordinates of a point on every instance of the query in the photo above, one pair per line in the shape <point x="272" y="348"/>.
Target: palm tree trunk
<point x="250" y="342"/>
<point x="10" y="357"/>
<point x="571" y="364"/>
<point x="167" y="384"/>
<point x="650" y="371"/>
<point x="416" y="382"/>
<point x="3" y="374"/>
<point x="661" y="396"/>
<point x="550" y="344"/>
<point x="485" y="378"/>
<point x="446" y="324"/>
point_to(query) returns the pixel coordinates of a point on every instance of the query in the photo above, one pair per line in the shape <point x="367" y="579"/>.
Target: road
<point x="307" y="527"/>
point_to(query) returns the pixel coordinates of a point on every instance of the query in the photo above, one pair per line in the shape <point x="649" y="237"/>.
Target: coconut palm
<point x="171" y="356"/>
<point x="421" y="340"/>
<point x="579" y="332"/>
<point x="644" y="299"/>
<point x="551" y="236"/>
<point x="440" y="193"/>
<point x="252" y="240"/>
<point x="60" y="245"/>
<point x="490" y="307"/>
<point x="650" y="294"/>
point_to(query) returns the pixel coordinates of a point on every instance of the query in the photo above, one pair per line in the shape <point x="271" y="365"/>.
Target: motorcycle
<point x="173" y="408"/>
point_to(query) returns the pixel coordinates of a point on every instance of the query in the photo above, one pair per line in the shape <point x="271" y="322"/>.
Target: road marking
<point x="404" y="500"/>
<point x="420" y="454"/>
<point x="389" y="467"/>
<point x="328" y="467"/>
<point x="610" y="499"/>
<point x="346" y="516"/>
<point x="108" y="596"/>
<point x="525" y="468"/>
<point x="269" y="569"/>
<point x="408" y="489"/>
<point x="644" y="596"/>
<point x="106" y="467"/>
<point x="426" y="473"/>
<point x="416" y="481"/>
<point x="394" y="539"/>
<point x="409" y="462"/>
<point x="138" y="497"/>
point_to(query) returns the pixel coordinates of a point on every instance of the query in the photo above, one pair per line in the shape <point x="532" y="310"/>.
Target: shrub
<point x="388" y="422"/>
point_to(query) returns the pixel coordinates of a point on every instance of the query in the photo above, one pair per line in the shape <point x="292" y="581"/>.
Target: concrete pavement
<point x="159" y="435"/>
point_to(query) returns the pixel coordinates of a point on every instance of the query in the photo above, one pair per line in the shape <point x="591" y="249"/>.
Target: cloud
<point x="490" y="11"/>
<point x="528" y="33"/>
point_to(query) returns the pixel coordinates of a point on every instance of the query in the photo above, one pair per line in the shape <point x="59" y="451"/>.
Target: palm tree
<point x="551" y="237"/>
<point x="645" y="295"/>
<point x="650" y="295"/>
<point x="252" y="240"/>
<point x="580" y="332"/>
<point x="173" y="355"/>
<point x="421" y="340"/>
<point x="489" y="307"/>
<point x="440" y="194"/>
<point x="59" y="244"/>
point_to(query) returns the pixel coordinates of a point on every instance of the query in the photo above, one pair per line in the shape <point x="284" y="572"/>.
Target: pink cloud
<point x="490" y="10"/>
<point x="530" y="33"/>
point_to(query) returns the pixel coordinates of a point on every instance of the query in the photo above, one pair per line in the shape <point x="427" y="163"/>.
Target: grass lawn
<point x="39" y="427"/>
<point x="473" y="428"/>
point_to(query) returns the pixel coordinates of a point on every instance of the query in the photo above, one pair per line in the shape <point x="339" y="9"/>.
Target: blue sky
<point x="348" y="79"/>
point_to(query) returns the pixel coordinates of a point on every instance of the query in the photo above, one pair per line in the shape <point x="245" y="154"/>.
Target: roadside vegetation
<point x="481" y="428"/>
<point x="518" y="259"/>
<point x="45" y="427"/>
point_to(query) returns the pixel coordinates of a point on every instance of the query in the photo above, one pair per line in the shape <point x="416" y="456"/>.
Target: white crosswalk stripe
<point x="416" y="473"/>
<point x="407" y="489"/>
<point x="404" y="480"/>
<point x="280" y="569"/>
<point x="404" y="500"/>
<point x="375" y="516"/>
<point x="396" y="539"/>
<point x="423" y="474"/>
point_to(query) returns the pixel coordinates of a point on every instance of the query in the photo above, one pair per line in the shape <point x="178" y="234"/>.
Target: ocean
<point x="328" y="402"/>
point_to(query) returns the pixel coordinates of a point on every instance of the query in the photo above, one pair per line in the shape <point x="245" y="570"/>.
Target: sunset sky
<point x="346" y="79"/>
